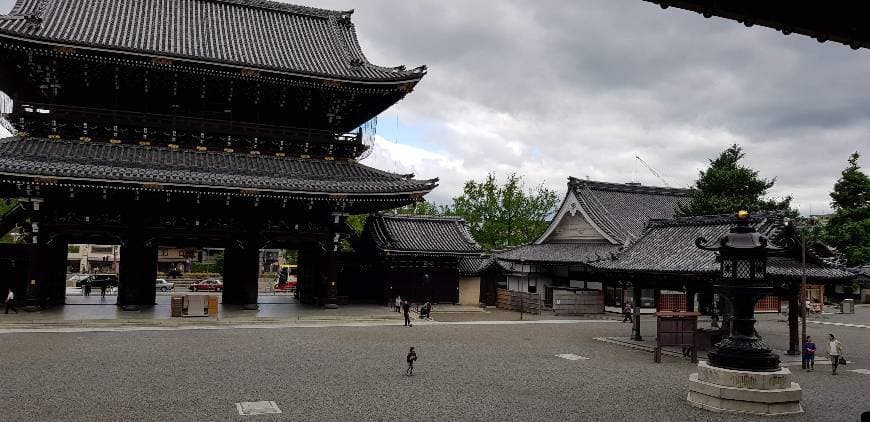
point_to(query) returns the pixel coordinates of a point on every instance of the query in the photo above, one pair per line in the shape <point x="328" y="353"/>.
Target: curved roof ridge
<point x="627" y="187"/>
<point x="286" y="7"/>
<point x="463" y="225"/>
<point x="135" y="164"/>
<point x="260" y="34"/>
<point x="714" y="219"/>
<point x="422" y="234"/>
<point x="21" y="5"/>
<point x="425" y="217"/>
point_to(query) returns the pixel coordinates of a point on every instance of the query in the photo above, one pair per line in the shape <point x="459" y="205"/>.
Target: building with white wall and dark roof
<point x="595" y="221"/>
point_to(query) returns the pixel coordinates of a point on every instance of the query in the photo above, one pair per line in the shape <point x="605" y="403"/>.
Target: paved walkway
<point x="81" y="309"/>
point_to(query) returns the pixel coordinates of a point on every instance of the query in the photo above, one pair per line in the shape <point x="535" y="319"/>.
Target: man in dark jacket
<point x="406" y="308"/>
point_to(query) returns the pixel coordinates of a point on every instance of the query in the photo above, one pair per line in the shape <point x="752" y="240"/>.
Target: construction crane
<point x="653" y="171"/>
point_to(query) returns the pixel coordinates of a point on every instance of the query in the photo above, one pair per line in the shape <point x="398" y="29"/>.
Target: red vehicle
<point x="207" y="285"/>
<point x="286" y="281"/>
<point x="289" y="286"/>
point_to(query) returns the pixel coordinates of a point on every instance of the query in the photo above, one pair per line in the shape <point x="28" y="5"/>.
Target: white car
<point x="76" y="279"/>
<point x="164" y="286"/>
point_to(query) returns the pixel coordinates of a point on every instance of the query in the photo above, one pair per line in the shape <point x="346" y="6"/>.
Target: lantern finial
<point x="742" y="215"/>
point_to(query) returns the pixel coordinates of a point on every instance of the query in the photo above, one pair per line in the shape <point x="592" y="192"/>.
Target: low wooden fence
<point x="518" y="301"/>
<point x="577" y="302"/>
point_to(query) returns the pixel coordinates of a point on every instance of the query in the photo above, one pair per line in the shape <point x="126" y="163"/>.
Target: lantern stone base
<point x="755" y="393"/>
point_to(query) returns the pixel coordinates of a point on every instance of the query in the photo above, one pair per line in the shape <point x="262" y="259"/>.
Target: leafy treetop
<point x="849" y="228"/>
<point x="726" y="187"/>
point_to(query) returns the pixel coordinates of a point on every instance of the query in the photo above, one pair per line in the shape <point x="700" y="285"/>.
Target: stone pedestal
<point x="755" y="393"/>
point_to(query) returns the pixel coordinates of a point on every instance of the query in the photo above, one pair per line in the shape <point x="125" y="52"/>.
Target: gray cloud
<point x="586" y="86"/>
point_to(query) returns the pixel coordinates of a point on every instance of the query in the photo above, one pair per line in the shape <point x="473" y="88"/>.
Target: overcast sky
<point x="552" y="88"/>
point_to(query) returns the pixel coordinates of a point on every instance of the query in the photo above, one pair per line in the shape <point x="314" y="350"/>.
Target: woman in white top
<point x="835" y="350"/>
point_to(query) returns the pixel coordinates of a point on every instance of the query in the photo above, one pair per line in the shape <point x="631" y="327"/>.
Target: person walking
<point x="10" y="302"/>
<point x="406" y="308"/>
<point x="835" y="353"/>
<point x="809" y="354"/>
<point x="626" y="313"/>
<point x="103" y="291"/>
<point x="399" y="303"/>
<point x="87" y="289"/>
<point x="411" y="358"/>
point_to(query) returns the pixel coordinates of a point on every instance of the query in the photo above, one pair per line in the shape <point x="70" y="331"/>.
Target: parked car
<point x="163" y="285"/>
<point x="285" y="287"/>
<point x="207" y="285"/>
<point x="100" y="280"/>
<point x="77" y="279"/>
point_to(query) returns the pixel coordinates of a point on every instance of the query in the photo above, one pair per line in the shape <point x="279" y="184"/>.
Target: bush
<point x="202" y="267"/>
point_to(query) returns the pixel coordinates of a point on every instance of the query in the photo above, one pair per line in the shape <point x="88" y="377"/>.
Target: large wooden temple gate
<point x="238" y="133"/>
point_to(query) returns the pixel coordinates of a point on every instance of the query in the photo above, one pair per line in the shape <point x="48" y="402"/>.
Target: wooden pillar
<point x="52" y="253"/>
<point x="330" y="274"/>
<point x="33" y="298"/>
<point x="241" y="274"/>
<point x="330" y="278"/>
<point x="307" y="277"/>
<point x="690" y="299"/>
<point x="137" y="271"/>
<point x="636" y="323"/>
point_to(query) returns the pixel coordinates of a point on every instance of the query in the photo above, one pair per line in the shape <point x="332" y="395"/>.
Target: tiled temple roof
<point x="563" y="253"/>
<point x="475" y="265"/>
<point x="108" y="163"/>
<point x="250" y="33"/>
<point x="424" y="235"/>
<point x="618" y="210"/>
<point x="622" y="210"/>
<point x="668" y="247"/>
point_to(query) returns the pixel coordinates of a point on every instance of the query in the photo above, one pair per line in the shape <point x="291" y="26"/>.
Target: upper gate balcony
<point x="251" y="61"/>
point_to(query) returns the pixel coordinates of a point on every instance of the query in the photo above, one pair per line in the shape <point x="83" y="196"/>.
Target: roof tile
<point x="133" y="163"/>
<point x="668" y="247"/>
<point x="256" y="33"/>
<point x="421" y="234"/>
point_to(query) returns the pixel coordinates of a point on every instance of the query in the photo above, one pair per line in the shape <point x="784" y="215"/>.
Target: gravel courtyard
<point x="479" y="371"/>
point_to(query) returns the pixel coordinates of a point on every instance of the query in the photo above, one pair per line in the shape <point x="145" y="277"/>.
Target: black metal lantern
<point x="742" y="255"/>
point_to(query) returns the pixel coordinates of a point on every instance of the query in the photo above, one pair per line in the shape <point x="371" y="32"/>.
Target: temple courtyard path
<point x="469" y="371"/>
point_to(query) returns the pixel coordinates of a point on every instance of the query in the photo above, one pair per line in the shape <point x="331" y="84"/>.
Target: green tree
<point x="726" y="186"/>
<point x="219" y="264"/>
<point x="357" y="221"/>
<point x="504" y="215"/>
<point x="422" y="208"/>
<point x="5" y="206"/>
<point x="849" y="227"/>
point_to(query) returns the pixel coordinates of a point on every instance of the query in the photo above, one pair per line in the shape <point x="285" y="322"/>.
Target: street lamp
<point x="742" y="256"/>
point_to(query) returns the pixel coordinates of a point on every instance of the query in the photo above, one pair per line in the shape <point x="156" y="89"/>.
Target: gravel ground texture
<point x="464" y="372"/>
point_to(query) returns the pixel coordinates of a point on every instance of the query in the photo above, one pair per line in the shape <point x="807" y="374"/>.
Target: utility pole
<point x="803" y="304"/>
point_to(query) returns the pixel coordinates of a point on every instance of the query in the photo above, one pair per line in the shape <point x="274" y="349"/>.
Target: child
<point x="412" y="356"/>
<point x="809" y="354"/>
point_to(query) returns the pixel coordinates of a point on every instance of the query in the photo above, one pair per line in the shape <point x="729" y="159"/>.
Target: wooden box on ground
<point x="570" y="301"/>
<point x="212" y="305"/>
<point x="677" y="329"/>
<point x="176" y="305"/>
